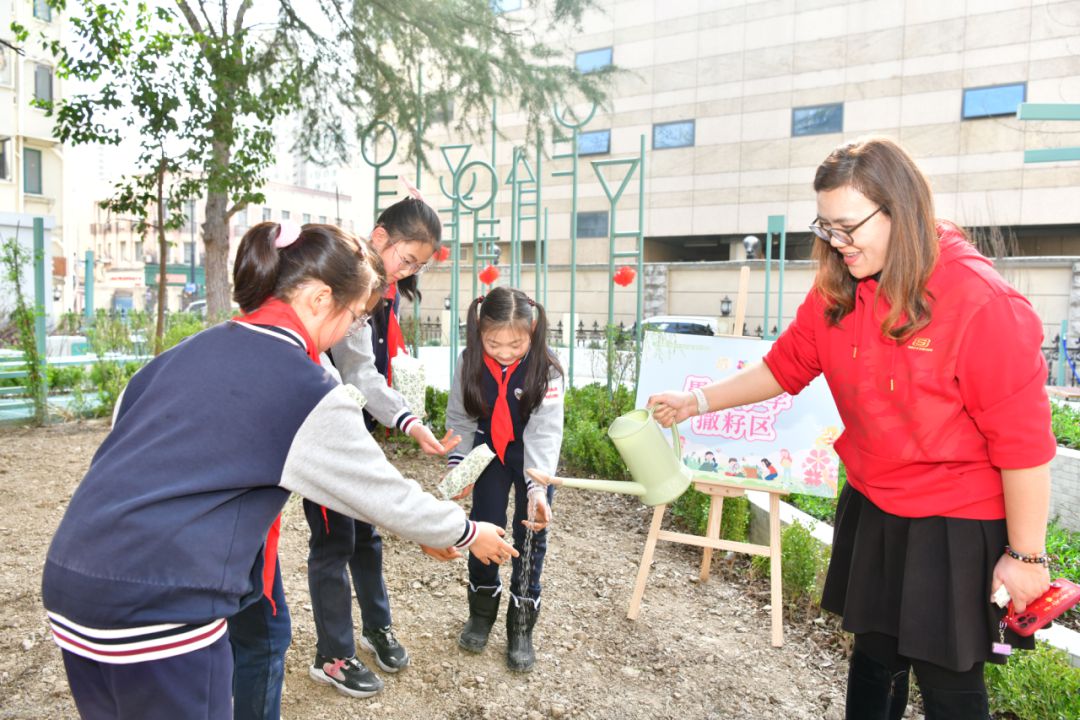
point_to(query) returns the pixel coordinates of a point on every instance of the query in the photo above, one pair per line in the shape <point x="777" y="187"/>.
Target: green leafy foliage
<point x="1065" y="422"/>
<point x="110" y="378"/>
<point x="1064" y="547"/>
<point x="181" y="326"/>
<point x="206" y="90"/>
<point x="691" y="511"/>
<point x="13" y="258"/>
<point x="1035" y="685"/>
<point x="586" y="449"/>
<point x="435" y="403"/>
<point x="803" y="561"/>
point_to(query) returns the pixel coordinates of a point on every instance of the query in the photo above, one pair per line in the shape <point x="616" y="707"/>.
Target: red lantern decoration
<point x="624" y="275"/>
<point x="443" y="254"/>
<point x="489" y="275"/>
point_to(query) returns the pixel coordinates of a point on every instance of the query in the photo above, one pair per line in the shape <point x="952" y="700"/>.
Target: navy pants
<point x="490" y="496"/>
<point x="259" y="640"/>
<point x="193" y="685"/>
<point x="340" y="545"/>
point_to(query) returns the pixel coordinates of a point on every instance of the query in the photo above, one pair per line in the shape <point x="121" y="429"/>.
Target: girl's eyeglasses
<point x="415" y="268"/>
<point x="841" y="235"/>
<point x="358" y="322"/>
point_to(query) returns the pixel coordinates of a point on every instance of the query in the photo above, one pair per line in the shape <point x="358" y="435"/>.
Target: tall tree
<point x="340" y="65"/>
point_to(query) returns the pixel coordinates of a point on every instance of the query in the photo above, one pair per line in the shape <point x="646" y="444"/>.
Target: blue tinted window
<point x="501" y="6"/>
<point x="592" y="224"/>
<point x="673" y="135"/>
<point x="995" y="100"/>
<point x="817" y="119"/>
<point x="32" y="173"/>
<point x="594" y="142"/>
<point x="591" y="60"/>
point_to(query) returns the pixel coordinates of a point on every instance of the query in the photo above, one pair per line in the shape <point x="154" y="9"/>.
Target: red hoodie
<point x="930" y="421"/>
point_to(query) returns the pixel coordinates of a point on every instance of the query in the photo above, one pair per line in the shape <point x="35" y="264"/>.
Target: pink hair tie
<point x="413" y="190"/>
<point x="287" y="233"/>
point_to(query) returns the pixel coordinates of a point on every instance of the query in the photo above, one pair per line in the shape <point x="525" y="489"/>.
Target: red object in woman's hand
<point x="624" y="275"/>
<point x="489" y="274"/>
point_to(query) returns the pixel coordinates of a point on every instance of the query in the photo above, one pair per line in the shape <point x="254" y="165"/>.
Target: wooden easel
<point x="717" y="491"/>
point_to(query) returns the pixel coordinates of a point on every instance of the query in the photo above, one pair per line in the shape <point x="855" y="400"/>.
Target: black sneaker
<point x="349" y="677"/>
<point x="389" y="653"/>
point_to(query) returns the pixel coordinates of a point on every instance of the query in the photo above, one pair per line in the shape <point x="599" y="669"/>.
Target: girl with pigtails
<point x="508" y="394"/>
<point x="163" y="539"/>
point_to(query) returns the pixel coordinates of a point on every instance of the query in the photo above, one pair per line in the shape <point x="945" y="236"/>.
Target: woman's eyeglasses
<point x="841" y="235"/>
<point x="358" y="322"/>
<point x="414" y="267"/>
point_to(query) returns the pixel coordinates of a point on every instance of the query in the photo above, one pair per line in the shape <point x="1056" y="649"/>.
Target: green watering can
<point x="657" y="469"/>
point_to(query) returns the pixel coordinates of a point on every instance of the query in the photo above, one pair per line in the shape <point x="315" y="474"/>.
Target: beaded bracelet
<point x="1034" y="558"/>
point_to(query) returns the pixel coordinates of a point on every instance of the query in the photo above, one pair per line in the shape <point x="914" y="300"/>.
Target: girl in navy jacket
<point x="163" y="538"/>
<point x="508" y="393"/>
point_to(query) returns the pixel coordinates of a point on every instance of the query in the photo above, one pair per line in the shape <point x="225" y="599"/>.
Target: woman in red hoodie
<point x="935" y="365"/>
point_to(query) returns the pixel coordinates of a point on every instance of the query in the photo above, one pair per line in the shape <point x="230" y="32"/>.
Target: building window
<point x="241" y="219"/>
<point x="5" y="158"/>
<point x="43" y="83"/>
<point x="42" y="11"/>
<point x="589" y="61"/>
<point x="673" y="135"/>
<point x="307" y="218"/>
<point x="502" y="6"/>
<point x="7" y="67"/>
<point x="322" y="219"/>
<point x="983" y="102"/>
<point x="266" y="214"/>
<point x="817" y="119"/>
<point x="32" y="171"/>
<point x="594" y="142"/>
<point x="285" y="214"/>
<point x="592" y="224"/>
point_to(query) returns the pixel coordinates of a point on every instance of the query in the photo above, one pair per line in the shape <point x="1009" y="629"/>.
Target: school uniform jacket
<point x="362" y="360"/>
<point x="539" y="441"/>
<point x="163" y="537"/>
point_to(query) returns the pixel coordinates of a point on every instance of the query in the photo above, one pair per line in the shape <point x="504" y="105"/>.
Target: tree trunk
<point x="216" y="241"/>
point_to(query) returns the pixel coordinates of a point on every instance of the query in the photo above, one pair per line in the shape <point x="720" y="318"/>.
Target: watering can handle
<point x="674" y="436"/>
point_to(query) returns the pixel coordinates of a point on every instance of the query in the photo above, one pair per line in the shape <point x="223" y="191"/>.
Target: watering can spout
<point x="610" y="486"/>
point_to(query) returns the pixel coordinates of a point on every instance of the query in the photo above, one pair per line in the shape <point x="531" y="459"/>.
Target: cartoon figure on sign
<point x="709" y="465"/>
<point x="769" y="472"/>
<point x="734" y="468"/>
<point x="785" y="464"/>
<point x="749" y="468"/>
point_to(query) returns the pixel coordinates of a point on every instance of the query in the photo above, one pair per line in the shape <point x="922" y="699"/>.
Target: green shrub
<point x="1066" y="425"/>
<point x="435" y="404"/>
<point x="803" y="561"/>
<point x="1035" y="685"/>
<point x="1064" y="547"/>
<point x="66" y="379"/>
<point x="110" y="378"/>
<point x="179" y="326"/>
<point x="691" y="511"/>
<point x="586" y="449"/>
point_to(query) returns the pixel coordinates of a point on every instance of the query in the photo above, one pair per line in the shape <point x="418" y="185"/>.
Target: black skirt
<point x="924" y="581"/>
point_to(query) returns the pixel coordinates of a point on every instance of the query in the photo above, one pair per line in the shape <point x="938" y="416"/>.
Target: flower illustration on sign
<point x="818" y="468"/>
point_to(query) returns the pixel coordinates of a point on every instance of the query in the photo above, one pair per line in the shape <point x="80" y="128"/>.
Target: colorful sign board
<point x="784" y="442"/>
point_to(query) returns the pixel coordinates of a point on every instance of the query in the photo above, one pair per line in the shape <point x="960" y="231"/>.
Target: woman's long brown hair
<point x="881" y="170"/>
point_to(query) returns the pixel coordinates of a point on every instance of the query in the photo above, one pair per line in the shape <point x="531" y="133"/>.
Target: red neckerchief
<point x="502" y="427"/>
<point x="395" y="341"/>
<point x="279" y="314"/>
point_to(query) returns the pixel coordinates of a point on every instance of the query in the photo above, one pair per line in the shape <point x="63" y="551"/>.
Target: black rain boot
<point x="941" y="704"/>
<point x="873" y="691"/>
<point x="520" y="619"/>
<point x="483" y="609"/>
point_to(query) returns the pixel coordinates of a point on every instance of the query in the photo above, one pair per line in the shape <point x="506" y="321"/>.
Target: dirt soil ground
<point x="697" y="650"/>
